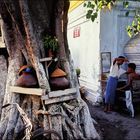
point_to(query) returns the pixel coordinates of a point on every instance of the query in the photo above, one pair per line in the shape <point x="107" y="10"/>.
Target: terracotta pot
<point x="23" y="68"/>
<point x="59" y="83"/>
<point x="58" y="73"/>
<point x="26" y="80"/>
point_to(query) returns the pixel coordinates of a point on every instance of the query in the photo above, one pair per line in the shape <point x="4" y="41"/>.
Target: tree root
<point x="75" y="120"/>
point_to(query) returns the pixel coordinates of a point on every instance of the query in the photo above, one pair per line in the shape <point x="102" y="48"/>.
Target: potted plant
<point x="51" y="44"/>
<point x="78" y="71"/>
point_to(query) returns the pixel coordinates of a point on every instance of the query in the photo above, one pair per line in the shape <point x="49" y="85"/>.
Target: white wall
<point x="106" y="34"/>
<point x="113" y="35"/>
<point x="85" y="49"/>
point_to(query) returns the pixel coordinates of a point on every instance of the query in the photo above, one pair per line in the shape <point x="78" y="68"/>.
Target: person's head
<point x="121" y="60"/>
<point x="131" y="67"/>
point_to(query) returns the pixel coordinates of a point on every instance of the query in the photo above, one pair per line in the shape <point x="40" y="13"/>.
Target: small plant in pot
<point x="78" y="71"/>
<point x="51" y="45"/>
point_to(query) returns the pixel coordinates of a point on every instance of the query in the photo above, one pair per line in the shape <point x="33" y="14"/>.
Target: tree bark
<point x="32" y="45"/>
<point x="3" y="76"/>
<point x="25" y="22"/>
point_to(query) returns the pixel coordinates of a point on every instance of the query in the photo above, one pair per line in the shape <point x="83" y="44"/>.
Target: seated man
<point x="132" y="75"/>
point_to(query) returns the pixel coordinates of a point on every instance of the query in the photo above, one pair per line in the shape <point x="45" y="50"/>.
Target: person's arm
<point x="129" y="83"/>
<point x="114" y="61"/>
<point x="117" y="59"/>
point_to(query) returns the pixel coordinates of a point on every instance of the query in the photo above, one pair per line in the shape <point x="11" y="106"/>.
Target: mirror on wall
<point x="105" y="62"/>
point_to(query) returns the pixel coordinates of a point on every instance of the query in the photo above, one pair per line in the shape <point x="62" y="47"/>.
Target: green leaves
<point x="94" y="6"/>
<point x="85" y="5"/>
<point x="90" y="12"/>
<point x="91" y="15"/>
<point x="127" y="14"/>
<point x="125" y="4"/>
<point x="89" y="4"/>
<point x="50" y="42"/>
<point x="94" y="16"/>
<point x="134" y="28"/>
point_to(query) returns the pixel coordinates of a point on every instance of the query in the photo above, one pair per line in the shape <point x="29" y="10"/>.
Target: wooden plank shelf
<point x="58" y="99"/>
<point x="46" y="59"/>
<point x="29" y="91"/>
<point x="59" y="93"/>
<point x="60" y="96"/>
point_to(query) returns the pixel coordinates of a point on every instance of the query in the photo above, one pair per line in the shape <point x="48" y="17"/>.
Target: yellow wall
<point x="74" y="4"/>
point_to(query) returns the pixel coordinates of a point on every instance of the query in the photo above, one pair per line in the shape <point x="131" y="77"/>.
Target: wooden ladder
<point x="51" y="97"/>
<point x="46" y="60"/>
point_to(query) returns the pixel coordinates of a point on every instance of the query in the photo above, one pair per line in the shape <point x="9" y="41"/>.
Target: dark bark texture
<point x="25" y="23"/>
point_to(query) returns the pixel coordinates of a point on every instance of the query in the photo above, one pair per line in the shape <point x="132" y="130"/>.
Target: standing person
<point x="132" y="75"/>
<point x="115" y="72"/>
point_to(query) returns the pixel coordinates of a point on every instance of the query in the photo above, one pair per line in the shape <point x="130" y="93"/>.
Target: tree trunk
<point x="25" y="22"/>
<point x="3" y="76"/>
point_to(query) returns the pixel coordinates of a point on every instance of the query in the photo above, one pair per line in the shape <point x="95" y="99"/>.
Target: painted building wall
<point x="85" y="47"/>
<point x="113" y="35"/>
<point x="106" y="34"/>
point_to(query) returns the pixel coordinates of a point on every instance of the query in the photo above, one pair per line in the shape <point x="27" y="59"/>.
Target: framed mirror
<point x="105" y="62"/>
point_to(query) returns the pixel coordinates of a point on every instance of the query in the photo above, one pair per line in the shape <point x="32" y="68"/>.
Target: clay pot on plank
<point x="26" y="77"/>
<point x="58" y="80"/>
<point x="26" y="80"/>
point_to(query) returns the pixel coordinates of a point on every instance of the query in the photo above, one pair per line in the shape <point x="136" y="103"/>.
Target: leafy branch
<point x="94" y="6"/>
<point x="134" y="28"/>
<point x="97" y="5"/>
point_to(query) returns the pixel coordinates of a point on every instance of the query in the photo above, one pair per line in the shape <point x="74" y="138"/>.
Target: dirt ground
<point x="115" y="125"/>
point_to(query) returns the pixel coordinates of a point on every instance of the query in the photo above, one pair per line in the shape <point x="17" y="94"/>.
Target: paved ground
<point x="115" y="126"/>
